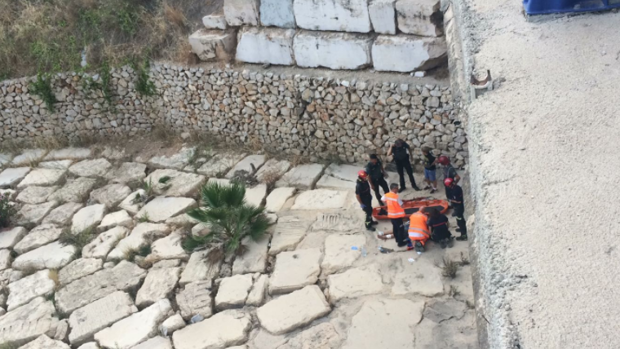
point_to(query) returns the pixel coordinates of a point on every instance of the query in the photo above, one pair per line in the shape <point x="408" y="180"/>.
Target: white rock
<point x="10" y="176"/>
<point x="90" y="345"/>
<point x="223" y="330"/>
<point x="198" y="269"/>
<point x="45" y="342"/>
<point x="62" y="330"/>
<point x="42" y="177"/>
<point x="302" y="176"/>
<point x="87" y="217"/>
<point x="128" y="172"/>
<point x="233" y="291"/>
<point x="329" y="182"/>
<point x="389" y="53"/>
<point x="175" y="183"/>
<point x="278" y="197"/>
<point x="332" y="50"/>
<point x="382" y="16"/>
<point x="124" y="276"/>
<point x="195" y="299"/>
<point x="75" y="190"/>
<point x="132" y="203"/>
<point x="418" y="17"/>
<point x="241" y="12"/>
<point x="320" y="199"/>
<point x="51" y="256"/>
<point x="136" y="328"/>
<point x="266" y="45"/>
<point x="421" y="277"/>
<point x="173" y="323"/>
<point x="56" y="164"/>
<point x="293" y="310"/>
<point x="250" y="164"/>
<point x="166" y="263"/>
<point x="254" y="260"/>
<point x="5" y="158"/>
<point x="181" y="220"/>
<point x="162" y="208"/>
<point x="113" y="153"/>
<point x="78" y="269"/>
<point x="68" y="153"/>
<point x="338" y="252"/>
<point x="212" y="45"/>
<point x="11" y="236"/>
<point x="214" y="21"/>
<point x="323" y="335"/>
<point x="104" y="242"/>
<point x="10" y="275"/>
<point x="397" y="315"/>
<point x="29" y="288"/>
<point x="344" y="172"/>
<point x="220" y="181"/>
<point x="219" y="164"/>
<point x="35" y="195"/>
<point x="354" y="283"/>
<point x="256" y="195"/>
<point x="140" y="235"/>
<point x="277" y="13"/>
<point x="272" y="170"/>
<point x="289" y="231"/>
<point x="94" y="317"/>
<point x="155" y="343"/>
<point x="5" y="259"/>
<point x="168" y="247"/>
<point x="159" y="284"/>
<point x="119" y="218"/>
<point x="294" y="270"/>
<point x="110" y="195"/>
<point x="91" y="168"/>
<point x="34" y="319"/>
<point x="257" y="293"/>
<point x="35" y="213"/>
<point x="29" y="157"/>
<point x="176" y="161"/>
<point x="333" y="15"/>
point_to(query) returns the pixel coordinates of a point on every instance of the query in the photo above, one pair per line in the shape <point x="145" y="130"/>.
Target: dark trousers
<point x="368" y="211"/>
<point x="399" y="231"/>
<point x="405" y="165"/>
<point x="380" y="182"/>
<point x="459" y="212"/>
<point x="447" y="194"/>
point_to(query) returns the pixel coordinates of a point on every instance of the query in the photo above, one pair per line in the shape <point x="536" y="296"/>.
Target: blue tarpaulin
<point x="539" y="7"/>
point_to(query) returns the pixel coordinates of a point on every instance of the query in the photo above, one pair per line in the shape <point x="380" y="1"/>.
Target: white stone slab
<point x="302" y="176"/>
<point x="233" y="291"/>
<point x="278" y="197"/>
<point x="288" y="312"/>
<point x="139" y="236"/>
<point x="43" y="177"/>
<point x="175" y="183"/>
<point x="258" y="291"/>
<point x="256" y="195"/>
<point x="5" y="259"/>
<point x="128" y="172"/>
<point x="158" y="284"/>
<point x="155" y="343"/>
<point x="131" y="203"/>
<point x="294" y="270"/>
<point x="223" y="330"/>
<point x="272" y="170"/>
<point x="320" y="199"/>
<point x="241" y="12"/>
<point x="338" y="252"/>
<point x="29" y="157"/>
<point x="246" y="164"/>
<point x="168" y="247"/>
<point x="91" y="168"/>
<point x="104" y="243"/>
<point x="68" y="153"/>
<point x="35" y="213"/>
<point x="212" y="45"/>
<point x="344" y="172"/>
<point x="266" y="45"/>
<point x="198" y="269"/>
<point x="11" y="176"/>
<point x="45" y="342"/>
<point x="382" y="16"/>
<point x="119" y="218"/>
<point x="88" y="217"/>
<point x="219" y="164"/>
<point x="329" y="182"/>
<point x="35" y="195"/>
<point x="162" y="208"/>
<point x="171" y="324"/>
<point x="340" y="51"/>
<point x="418" y="16"/>
<point x="277" y="13"/>
<point x="75" y="190"/>
<point x="354" y="283"/>
<point x="195" y="299"/>
<point x="56" y="164"/>
<point x="405" y="53"/>
<point x="254" y="260"/>
<point x="37" y="237"/>
<point x="34" y="319"/>
<point x="50" y="256"/>
<point x="110" y="195"/>
<point x="9" y="237"/>
<point x="29" y="288"/>
<point x="333" y="15"/>
<point x="78" y="269"/>
<point x="176" y="161"/>
<point x="5" y="158"/>
<point x="422" y="278"/>
<point x="214" y="21"/>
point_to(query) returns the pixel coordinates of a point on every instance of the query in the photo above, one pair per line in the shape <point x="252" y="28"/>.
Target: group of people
<point x="426" y="223"/>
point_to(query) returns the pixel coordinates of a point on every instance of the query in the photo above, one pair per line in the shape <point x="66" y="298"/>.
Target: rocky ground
<point x="316" y="281"/>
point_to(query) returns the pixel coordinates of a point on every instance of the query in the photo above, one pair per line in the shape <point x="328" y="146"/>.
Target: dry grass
<point x="449" y="268"/>
<point x="53" y="275"/>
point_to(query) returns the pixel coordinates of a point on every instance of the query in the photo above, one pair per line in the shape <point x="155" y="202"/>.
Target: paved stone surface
<point x="78" y="269"/>
<point x="62" y="214"/>
<point x="223" y="330"/>
<point x="35" y="195"/>
<point x="158" y="284"/>
<point x="272" y="170"/>
<point x="127" y="172"/>
<point x="294" y="270"/>
<point x="34" y="319"/>
<point x="250" y="164"/>
<point x="354" y="283"/>
<point x="162" y="208"/>
<point x="110" y="195"/>
<point x="9" y="237"/>
<point x="258" y="291"/>
<point x="142" y="234"/>
<point x="75" y="190"/>
<point x="35" y="213"/>
<point x="233" y="291"/>
<point x="219" y="164"/>
<point x="338" y="252"/>
<point x="37" y="237"/>
<point x="29" y="288"/>
<point x="337" y="222"/>
<point x="119" y="218"/>
<point x="254" y="260"/>
<point x="44" y="342"/>
<point x="88" y="217"/>
<point x="278" y="197"/>
<point x="320" y="199"/>
<point x="421" y="277"/>
<point x="28" y="157"/>
<point x="173" y="323"/>
<point x="69" y="153"/>
<point x="51" y="256"/>
<point x="104" y="243"/>
<point x="175" y="183"/>
<point x="302" y="176"/>
<point x="11" y="176"/>
<point x="323" y="336"/>
<point x="198" y="269"/>
<point x="195" y="299"/>
<point x="168" y="247"/>
<point x="293" y="310"/>
<point x="155" y="343"/>
<point x="42" y="177"/>
<point x="175" y="161"/>
<point x="91" y="168"/>
<point x="132" y="202"/>
<point x="256" y="195"/>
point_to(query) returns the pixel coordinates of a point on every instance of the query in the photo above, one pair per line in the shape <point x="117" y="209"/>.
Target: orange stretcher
<point x="412" y="206"/>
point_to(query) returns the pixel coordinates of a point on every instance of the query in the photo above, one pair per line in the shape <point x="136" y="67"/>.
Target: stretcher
<point x="412" y="206"/>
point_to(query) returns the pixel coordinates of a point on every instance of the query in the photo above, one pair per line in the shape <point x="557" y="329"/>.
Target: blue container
<point x="539" y="7"/>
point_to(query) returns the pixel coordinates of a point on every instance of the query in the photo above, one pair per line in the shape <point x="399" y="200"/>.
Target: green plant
<point x="230" y="219"/>
<point x="449" y="268"/>
<point x="42" y="87"/>
<point x="79" y="239"/>
<point x="105" y="76"/>
<point x="144" y="218"/>
<point x="164" y="179"/>
<point x="144" y="85"/>
<point x="7" y="211"/>
<point x="143" y="250"/>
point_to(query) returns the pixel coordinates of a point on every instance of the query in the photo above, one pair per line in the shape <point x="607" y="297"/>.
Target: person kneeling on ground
<point x="396" y="212"/>
<point x="418" y="230"/>
<point x="364" y="197"/>
<point x="438" y="223"/>
<point x="458" y="204"/>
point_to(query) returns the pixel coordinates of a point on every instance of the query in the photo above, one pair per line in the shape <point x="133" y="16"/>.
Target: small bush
<point x="449" y="268"/>
<point x="144" y="85"/>
<point x="7" y="211"/>
<point x="144" y="218"/>
<point x="131" y="254"/>
<point x="42" y="87"/>
<point x="164" y="179"/>
<point x="79" y="240"/>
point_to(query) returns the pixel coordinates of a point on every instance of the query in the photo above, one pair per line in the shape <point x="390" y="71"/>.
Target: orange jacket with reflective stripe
<point x="418" y="227"/>
<point x="393" y="207"/>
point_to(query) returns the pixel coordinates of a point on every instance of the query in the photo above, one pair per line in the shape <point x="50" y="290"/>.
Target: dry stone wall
<point x="315" y="117"/>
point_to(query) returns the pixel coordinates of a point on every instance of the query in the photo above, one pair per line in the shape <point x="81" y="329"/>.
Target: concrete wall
<point x="317" y="117"/>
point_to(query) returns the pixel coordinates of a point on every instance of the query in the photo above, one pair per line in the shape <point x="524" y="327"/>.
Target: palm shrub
<point x="230" y="220"/>
<point x="7" y="211"/>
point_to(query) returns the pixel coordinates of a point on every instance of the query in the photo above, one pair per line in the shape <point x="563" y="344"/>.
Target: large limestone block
<point x="171" y="324"/>
<point x="78" y="269"/>
<point x="421" y="277"/>
<point x="104" y="243"/>
<point x="266" y="45"/>
<point x="91" y="168"/>
<point x="277" y="13"/>
<point x="288" y="232"/>
<point x="321" y="336"/>
<point x="5" y="259"/>
<point x="249" y="164"/>
<point x="223" y="330"/>
<point x="354" y="283"/>
<point x="35" y="195"/>
<point x="51" y="256"/>
<point x="213" y="45"/>
<point x="383" y="16"/>
<point x="254" y="260"/>
<point x="257" y="293"/>
<point x="123" y="277"/>
<point x="195" y="299"/>
<point x="278" y="197"/>
<point x="215" y="21"/>
<point x="155" y="343"/>
<point x="168" y="247"/>
<point x="128" y="172"/>
<point x="42" y="177"/>
<point x="333" y="15"/>
<point x="119" y="218"/>
<point x="397" y="315"/>
<point x="291" y="311"/>
<point x="133" y="202"/>
<point x="94" y="317"/>
<point x="136" y="328"/>
<point x="11" y="176"/>
<point x="110" y="195"/>
<point x="11" y="236"/>
<point x="68" y="153"/>
<point x="320" y="199"/>
<point x="420" y="17"/>
<point x="198" y="269"/>
<point x="29" y="157"/>
<point x="256" y="195"/>
<point x="340" y="51"/>
<point x="241" y="12"/>
<point x="219" y="164"/>
<point x="272" y="170"/>
<point x="405" y="53"/>
<point x="175" y="161"/>
<point x="29" y="288"/>
<point x="76" y="190"/>
<point x="329" y="182"/>
<point x="162" y="208"/>
<point x="233" y="291"/>
<point x="159" y="284"/>
<point x="338" y="252"/>
<point x="45" y="342"/>
<point x="28" y="322"/>
<point x="175" y="183"/>
<point x="294" y="270"/>
<point x="34" y="213"/>
<point x="89" y="345"/>
<point x="142" y="234"/>
<point x="88" y="217"/>
<point x="62" y="214"/>
<point x="344" y="172"/>
<point x="56" y="164"/>
<point x="5" y="158"/>
<point x="302" y="176"/>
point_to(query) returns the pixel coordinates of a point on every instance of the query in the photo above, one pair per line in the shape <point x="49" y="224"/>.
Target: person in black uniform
<point x="458" y="204"/>
<point x="364" y="197"/>
<point x="377" y="177"/>
<point x="440" y="231"/>
<point x="401" y="151"/>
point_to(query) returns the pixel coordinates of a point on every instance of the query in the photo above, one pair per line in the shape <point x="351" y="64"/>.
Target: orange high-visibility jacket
<point x="393" y="207"/>
<point x="418" y="227"/>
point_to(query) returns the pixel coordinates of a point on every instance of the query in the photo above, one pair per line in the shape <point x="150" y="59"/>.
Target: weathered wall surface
<point x="310" y="116"/>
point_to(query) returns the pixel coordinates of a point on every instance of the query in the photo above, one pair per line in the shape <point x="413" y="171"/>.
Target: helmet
<point x="448" y="182"/>
<point x="443" y="160"/>
<point x="362" y="174"/>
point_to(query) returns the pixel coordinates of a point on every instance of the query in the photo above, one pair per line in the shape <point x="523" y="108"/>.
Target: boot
<point x="370" y="228"/>
<point x="402" y="189"/>
<point x="374" y="223"/>
<point x="419" y="247"/>
<point x="463" y="237"/>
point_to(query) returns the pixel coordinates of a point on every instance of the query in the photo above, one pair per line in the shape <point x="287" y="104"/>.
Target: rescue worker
<point x="458" y="204"/>
<point x="438" y="223"/>
<point x="396" y="212"/>
<point x="364" y="197"/>
<point x="418" y="230"/>
<point x="402" y="153"/>
<point x="448" y="172"/>
<point x="377" y="175"/>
